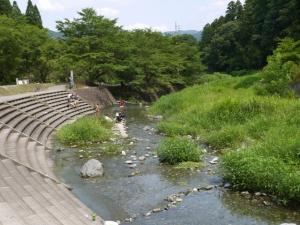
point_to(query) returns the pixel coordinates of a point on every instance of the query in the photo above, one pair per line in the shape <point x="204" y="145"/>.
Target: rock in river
<point x="92" y="168"/>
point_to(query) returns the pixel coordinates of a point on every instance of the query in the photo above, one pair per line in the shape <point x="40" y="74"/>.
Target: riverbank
<point x="142" y="193"/>
<point x="257" y="136"/>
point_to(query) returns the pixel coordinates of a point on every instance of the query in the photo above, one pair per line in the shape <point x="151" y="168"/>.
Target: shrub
<point x="87" y="129"/>
<point x="176" y="150"/>
<point x="282" y="69"/>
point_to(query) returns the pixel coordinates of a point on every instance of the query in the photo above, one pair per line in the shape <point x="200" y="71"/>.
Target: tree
<point x="38" y="17"/>
<point x="33" y="15"/>
<point x="16" y="12"/>
<point x="5" y="7"/>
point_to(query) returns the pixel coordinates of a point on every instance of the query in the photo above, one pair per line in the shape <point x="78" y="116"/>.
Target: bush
<point x="282" y="70"/>
<point x="87" y="129"/>
<point x="176" y="150"/>
<point x="248" y="170"/>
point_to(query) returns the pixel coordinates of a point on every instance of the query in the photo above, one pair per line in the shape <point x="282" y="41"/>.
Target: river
<point x="119" y="195"/>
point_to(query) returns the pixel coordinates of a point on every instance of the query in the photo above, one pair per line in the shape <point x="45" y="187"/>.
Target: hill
<point x="55" y="34"/>
<point x="195" y="33"/>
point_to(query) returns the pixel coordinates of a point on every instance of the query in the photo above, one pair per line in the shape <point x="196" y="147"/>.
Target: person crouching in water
<point x="120" y="117"/>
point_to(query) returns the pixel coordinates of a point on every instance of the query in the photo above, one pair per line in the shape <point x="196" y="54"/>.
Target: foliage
<point x="33" y="15"/>
<point x="282" y="70"/>
<point x="100" y="51"/>
<point x="246" y="35"/>
<point x="261" y="133"/>
<point x="22" y="51"/>
<point x="176" y="150"/>
<point x="5" y="7"/>
<point x="87" y="129"/>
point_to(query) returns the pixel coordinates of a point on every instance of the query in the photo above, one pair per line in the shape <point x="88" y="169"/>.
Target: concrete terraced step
<point x="29" y="192"/>
<point x="35" y="199"/>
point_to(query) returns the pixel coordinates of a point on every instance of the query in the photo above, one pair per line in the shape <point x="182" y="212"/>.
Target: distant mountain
<point x="55" y="34"/>
<point x="197" y="34"/>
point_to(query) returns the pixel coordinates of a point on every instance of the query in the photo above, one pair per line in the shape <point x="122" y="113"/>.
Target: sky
<point x="160" y="15"/>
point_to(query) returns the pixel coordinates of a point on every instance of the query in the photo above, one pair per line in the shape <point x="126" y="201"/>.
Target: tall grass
<point x="86" y="129"/>
<point x="260" y="133"/>
<point x="176" y="150"/>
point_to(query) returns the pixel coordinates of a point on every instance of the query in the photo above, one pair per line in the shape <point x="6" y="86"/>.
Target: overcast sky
<point x="158" y="14"/>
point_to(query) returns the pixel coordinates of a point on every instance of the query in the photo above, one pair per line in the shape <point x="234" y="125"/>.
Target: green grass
<point x="260" y="133"/>
<point x="19" y="89"/>
<point x="176" y="150"/>
<point x="87" y="129"/>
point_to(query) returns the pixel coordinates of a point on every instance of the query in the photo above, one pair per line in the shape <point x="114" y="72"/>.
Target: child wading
<point x="97" y="109"/>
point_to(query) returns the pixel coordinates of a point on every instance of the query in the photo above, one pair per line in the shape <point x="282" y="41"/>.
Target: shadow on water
<point x="118" y="195"/>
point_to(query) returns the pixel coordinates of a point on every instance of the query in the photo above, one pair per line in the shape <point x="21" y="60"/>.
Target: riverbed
<point x="124" y="193"/>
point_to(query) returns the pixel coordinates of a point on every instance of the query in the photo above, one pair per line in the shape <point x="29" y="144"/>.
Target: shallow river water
<point x="117" y="195"/>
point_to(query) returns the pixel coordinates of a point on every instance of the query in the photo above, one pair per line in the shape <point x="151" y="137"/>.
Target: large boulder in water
<point x="92" y="168"/>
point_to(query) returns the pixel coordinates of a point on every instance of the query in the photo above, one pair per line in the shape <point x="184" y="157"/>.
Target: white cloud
<point x="108" y="12"/>
<point x="161" y="28"/>
<point x="50" y="5"/>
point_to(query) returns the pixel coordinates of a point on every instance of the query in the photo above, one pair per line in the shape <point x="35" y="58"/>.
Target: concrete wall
<point x="94" y="95"/>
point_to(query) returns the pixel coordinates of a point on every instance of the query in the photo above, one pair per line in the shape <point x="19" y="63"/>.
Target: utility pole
<point x="177" y="28"/>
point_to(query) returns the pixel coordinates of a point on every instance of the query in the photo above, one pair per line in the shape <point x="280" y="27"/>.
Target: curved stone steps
<point x="4" y="133"/>
<point x="10" y="145"/>
<point x="30" y="189"/>
<point x="9" y="115"/>
<point x="27" y="204"/>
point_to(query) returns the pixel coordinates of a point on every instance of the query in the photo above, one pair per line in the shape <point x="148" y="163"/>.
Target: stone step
<point x="22" y="150"/>
<point x="31" y="155"/>
<point x="8" y="215"/>
<point x="9" y="115"/>
<point x="15" y="202"/>
<point x="25" y="196"/>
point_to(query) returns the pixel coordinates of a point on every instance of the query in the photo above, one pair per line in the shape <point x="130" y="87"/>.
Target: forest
<point x="149" y="62"/>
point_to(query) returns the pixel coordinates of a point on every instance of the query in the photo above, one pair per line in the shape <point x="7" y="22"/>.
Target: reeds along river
<point x="125" y="193"/>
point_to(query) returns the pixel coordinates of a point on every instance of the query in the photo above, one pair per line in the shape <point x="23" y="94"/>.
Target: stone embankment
<point x="30" y="193"/>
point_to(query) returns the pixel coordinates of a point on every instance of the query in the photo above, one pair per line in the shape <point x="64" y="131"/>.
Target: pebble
<point x="156" y="210"/>
<point x="195" y="189"/>
<point x="288" y="224"/>
<point x="111" y="223"/>
<point x="146" y="128"/>
<point x="142" y="158"/>
<point x="128" y="220"/>
<point x="81" y="156"/>
<point x="124" y="153"/>
<point x="209" y="187"/>
<point x="257" y="194"/>
<point x="214" y="160"/>
<point x="227" y="185"/>
<point x="245" y="193"/>
<point x="147" y="155"/>
<point x="178" y="199"/>
<point x="148" y="214"/>
<point x="131" y="143"/>
<point x="133" y="166"/>
<point x="266" y="203"/>
<point x="129" y="162"/>
<point x="148" y="148"/>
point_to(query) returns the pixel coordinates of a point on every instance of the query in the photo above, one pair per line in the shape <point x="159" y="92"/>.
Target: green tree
<point x="33" y="15"/>
<point x="5" y="7"/>
<point x="16" y="12"/>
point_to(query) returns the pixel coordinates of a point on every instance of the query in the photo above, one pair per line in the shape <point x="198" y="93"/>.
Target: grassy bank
<point x="20" y="89"/>
<point x="86" y="129"/>
<point x="260" y="135"/>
